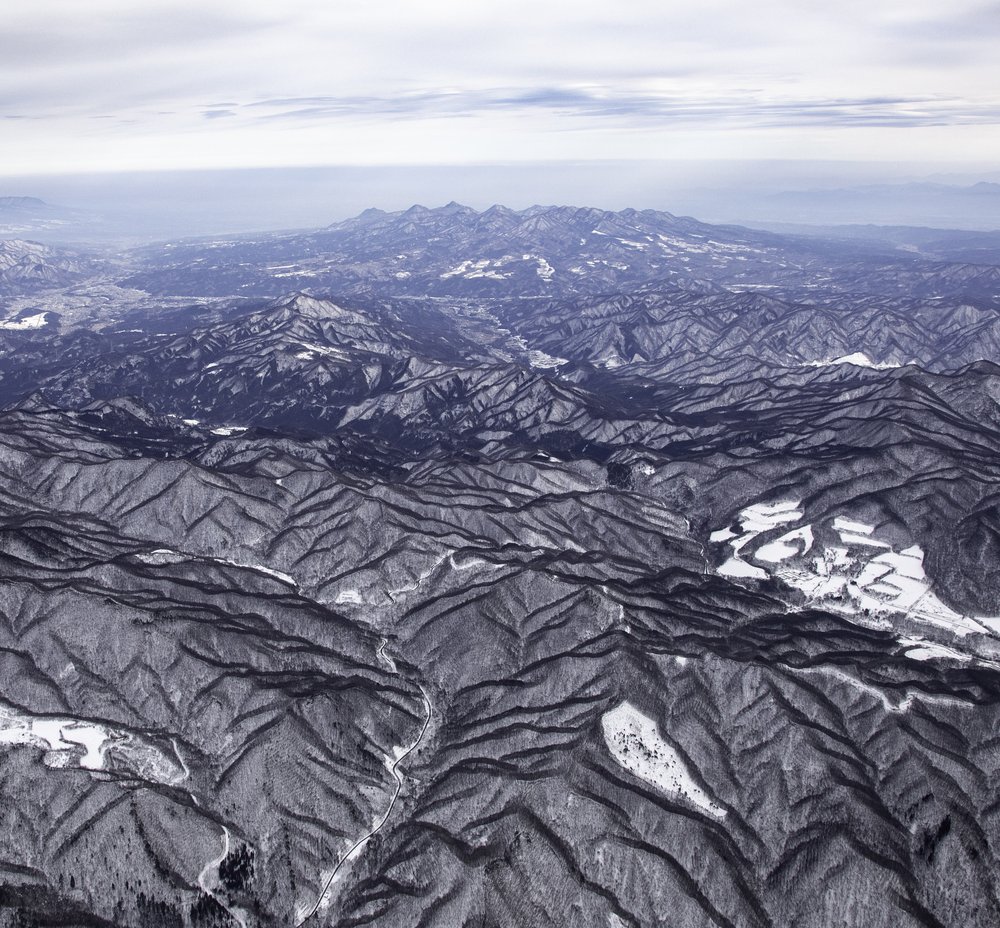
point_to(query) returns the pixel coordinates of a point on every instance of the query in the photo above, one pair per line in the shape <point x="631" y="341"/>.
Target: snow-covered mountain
<point x="460" y="568"/>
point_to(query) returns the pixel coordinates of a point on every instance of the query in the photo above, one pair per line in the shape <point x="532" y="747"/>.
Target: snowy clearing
<point x="635" y="743"/>
<point x="849" y="525"/>
<point x="865" y="577"/>
<point x="858" y="359"/>
<point x="764" y="516"/>
<point x="723" y="534"/>
<point x="81" y="744"/>
<point x="754" y="520"/>
<point x="28" y="322"/>
<point x="544" y="361"/>
<point x="162" y="556"/>
<point x="920" y="649"/>
<point x="737" y="567"/>
<point x="783" y="548"/>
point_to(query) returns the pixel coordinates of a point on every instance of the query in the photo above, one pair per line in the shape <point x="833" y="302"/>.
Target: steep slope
<point x="29" y="266"/>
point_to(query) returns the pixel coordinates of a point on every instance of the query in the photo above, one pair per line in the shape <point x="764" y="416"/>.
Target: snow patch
<point x="723" y="534"/>
<point x="544" y="361"/>
<point x="481" y="268"/>
<point x="737" y="567"/>
<point x="919" y="649"/>
<point x="858" y="359"/>
<point x="28" y="322"/>
<point x="866" y="576"/>
<point x="277" y="574"/>
<point x="762" y="517"/>
<point x="544" y="269"/>
<point x="82" y="744"/>
<point x="783" y="548"/>
<point x="168" y="556"/>
<point x="755" y="519"/>
<point x="849" y="538"/>
<point x="849" y="525"/>
<point x="636" y="744"/>
<point x="162" y="556"/>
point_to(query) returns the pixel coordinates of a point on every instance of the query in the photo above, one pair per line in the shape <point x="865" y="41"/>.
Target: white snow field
<point x="28" y="322"/>
<point x="635" y="743"/>
<point x="863" y="575"/>
<point x="70" y="742"/>
<point x="857" y="358"/>
<point x="761" y="517"/>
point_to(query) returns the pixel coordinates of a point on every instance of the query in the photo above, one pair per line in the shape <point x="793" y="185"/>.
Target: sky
<point x="110" y="86"/>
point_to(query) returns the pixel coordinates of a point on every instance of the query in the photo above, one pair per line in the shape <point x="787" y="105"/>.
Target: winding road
<point x="210" y="875"/>
<point x="356" y="849"/>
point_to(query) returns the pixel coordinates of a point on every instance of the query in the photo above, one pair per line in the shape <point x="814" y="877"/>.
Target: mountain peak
<point x="22" y="203"/>
<point x="373" y="212"/>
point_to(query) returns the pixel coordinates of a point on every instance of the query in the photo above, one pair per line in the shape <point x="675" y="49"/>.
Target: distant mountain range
<point x="925" y="204"/>
<point x="31" y="217"/>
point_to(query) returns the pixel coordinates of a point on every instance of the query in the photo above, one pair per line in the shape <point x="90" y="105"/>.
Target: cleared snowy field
<point x="864" y="574"/>
<point x="28" y="322"/>
<point x="87" y="745"/>
<point x="636" y="744"/>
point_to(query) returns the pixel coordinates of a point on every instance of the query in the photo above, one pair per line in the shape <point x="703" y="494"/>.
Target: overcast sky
<point x="165" y="84"/>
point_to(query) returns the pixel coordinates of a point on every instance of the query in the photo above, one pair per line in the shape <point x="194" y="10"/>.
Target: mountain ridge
<point x="501" y="590"/>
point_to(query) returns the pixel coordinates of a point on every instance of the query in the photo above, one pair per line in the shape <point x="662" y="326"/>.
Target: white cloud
<point x="140" y="86"/>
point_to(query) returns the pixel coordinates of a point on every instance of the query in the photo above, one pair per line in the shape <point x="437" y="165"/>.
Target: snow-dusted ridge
<point x="161" y="556"/>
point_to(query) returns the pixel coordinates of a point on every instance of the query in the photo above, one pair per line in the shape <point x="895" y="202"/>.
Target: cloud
<point x="77" y="34"/>
<point x="522" y="73"/>
<point x="636" y="108"/>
